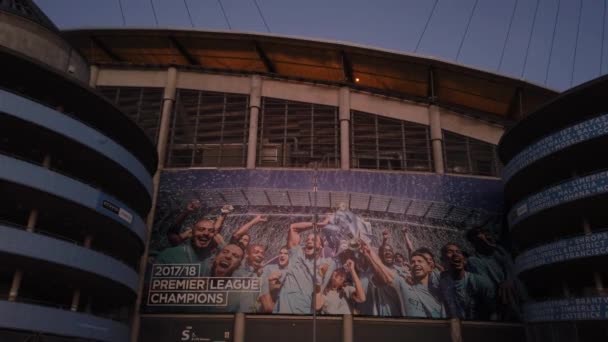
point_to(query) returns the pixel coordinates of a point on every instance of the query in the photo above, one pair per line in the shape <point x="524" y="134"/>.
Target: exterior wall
<point x="318" y="94"/>
<point x="41" y="44"/>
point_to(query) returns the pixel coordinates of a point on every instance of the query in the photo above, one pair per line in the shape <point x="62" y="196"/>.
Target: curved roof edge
<point x="313" y="40"/>
<point x="377" y="70"/>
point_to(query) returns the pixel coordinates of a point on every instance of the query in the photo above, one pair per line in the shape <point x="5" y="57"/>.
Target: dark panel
<point x="292" y="330"/>
<point x="365" y="331"/>
<point x="165" y="329"/>
<point x="494" y="333"/>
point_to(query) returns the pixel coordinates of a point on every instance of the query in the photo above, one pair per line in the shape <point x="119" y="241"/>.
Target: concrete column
<point x="93" y="74"/>
<point x="239" y="327"/>
<point x="255" y="101"/>
<point x="165" y="116"/>
<point x="344" y="103"/>
<point x="32" y="220"/>
<point x="436" y="139"/>
<point x="76" y="295"/>
<point x="455" y="330"/>
<point x="161" y="148"/>
<point x="347" y="328"/>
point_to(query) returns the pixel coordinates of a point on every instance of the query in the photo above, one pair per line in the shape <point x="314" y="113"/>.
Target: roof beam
<point x="515" y="110"/>
<point x="267" y="62"/>
<point x="106" y="49"/>
<point x="347" y="67"/>
<point x="183" y="51"/>
<point x="432" y="82"/>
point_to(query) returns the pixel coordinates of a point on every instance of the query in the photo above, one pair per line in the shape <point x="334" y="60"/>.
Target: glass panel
<point x="388" y="144"/>
<point x="293" y="134"/>
<point x="209" y="129"/>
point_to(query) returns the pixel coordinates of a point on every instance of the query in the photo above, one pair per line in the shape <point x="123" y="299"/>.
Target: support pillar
<point x="239" y="327"/>
<point x="255" y="101"/>
<point x="347" y="328"/>
<point x="436" y="139"/>
<point x="32" y="220"/>
<point x="344" y="103"/>
<point x="455" y="330"/>
<point x="76" y="295"/>
<point x="93" y="74"/>
<point x="161" y="148"/>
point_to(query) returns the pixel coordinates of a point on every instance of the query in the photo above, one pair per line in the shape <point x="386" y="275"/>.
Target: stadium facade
<point x="555" y="187"/>
<point x="76" y="186"/>
<point x="256" y="135"/>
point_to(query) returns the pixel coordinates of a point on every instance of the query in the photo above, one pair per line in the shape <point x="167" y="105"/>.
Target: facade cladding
<point x="555" y="187"/>
<point x="256" y="135"/>
<point x="75" y="189"/>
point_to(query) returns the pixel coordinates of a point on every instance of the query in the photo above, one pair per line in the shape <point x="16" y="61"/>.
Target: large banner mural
<point x="338" y="242"/>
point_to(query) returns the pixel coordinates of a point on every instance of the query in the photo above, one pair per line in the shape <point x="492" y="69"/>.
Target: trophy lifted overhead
<point x="345" y="230"/>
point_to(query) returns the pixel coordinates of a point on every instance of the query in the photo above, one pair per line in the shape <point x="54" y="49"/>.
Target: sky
<point x="555" y="43"/>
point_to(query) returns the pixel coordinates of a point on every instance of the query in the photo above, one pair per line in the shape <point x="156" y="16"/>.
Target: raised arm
<point x="293" y="237"/>
<point x="383" y="273"/>
<point x="408" y="242"/>
<point x="174" y="235"/>
<point x="219" y="222"/>
<point x="359" y="295"/>
<point x="245" y="228"/>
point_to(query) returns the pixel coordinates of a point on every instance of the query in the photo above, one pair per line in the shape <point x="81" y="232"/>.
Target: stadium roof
<point x="478" y="93"/>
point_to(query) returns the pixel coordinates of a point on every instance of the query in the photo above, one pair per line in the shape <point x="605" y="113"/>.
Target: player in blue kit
<point x="273" y="277"/>
<point x="295" y="296"/>
<point x="467" y="295"/>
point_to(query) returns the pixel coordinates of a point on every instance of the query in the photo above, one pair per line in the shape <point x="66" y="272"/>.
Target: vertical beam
<point x="161" y="148"/>
<point x="165" y="120"/>
<point x="255" y="101"/>
<point x="32" y="220"/>
<point x="347" y="328"/>
<point x="76" y="295"/>
<point x="436" y="138"/>
<point x="344" y="116"/>
<point x="455" y="330"/>
<point x="93" y="74"/>
<point x="239" y="327"/>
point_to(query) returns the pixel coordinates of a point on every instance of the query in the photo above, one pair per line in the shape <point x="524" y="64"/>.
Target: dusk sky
<point x="557" y="43"/>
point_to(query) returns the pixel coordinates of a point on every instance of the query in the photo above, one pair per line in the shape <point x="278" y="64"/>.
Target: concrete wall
<point x="41" y="44"/>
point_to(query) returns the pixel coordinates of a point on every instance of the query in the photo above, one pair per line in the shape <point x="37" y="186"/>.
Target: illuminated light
<point x="357" y="79"/>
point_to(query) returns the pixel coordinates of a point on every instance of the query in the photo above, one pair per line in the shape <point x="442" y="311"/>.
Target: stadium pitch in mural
<point x="375" y="244"/>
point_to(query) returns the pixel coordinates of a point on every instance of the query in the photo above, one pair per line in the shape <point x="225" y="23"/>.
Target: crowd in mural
<point x="350" y="265"/>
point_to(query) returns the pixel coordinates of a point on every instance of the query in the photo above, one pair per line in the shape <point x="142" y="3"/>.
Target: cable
<point x="426" y="25"/>
<point x="552" y="41"/>
<point x="261" y="15"/>
<point x="189" y="14"/>
<point x="154" y="12"/>
<point x="578" y="30"/>
<point x="122" y="13"/>
<point x="504" y="46"/>
<point x="466" y="30"/>
<point x="603" y="28"/>
<point x="224" y="12"/>
<point x="523" y="70"/>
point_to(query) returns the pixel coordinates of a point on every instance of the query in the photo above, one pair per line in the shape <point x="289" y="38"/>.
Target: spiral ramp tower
<point x="557" y="185"/>
<point x="75" y="189"/>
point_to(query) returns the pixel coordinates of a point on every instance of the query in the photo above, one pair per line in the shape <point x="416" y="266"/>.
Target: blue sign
<point x="572" y="309"/>
<point x="573" y="135"/>
<point x="584" y="187"/>
<point x="579" y="247"/>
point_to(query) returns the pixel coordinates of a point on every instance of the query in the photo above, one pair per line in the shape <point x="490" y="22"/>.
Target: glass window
<point x="469" y="156"/>
<point x="208" y="129"/>
<point x="142" y="105"/>
<point x="294" y="134"/>
<point x="388" y="144"/>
